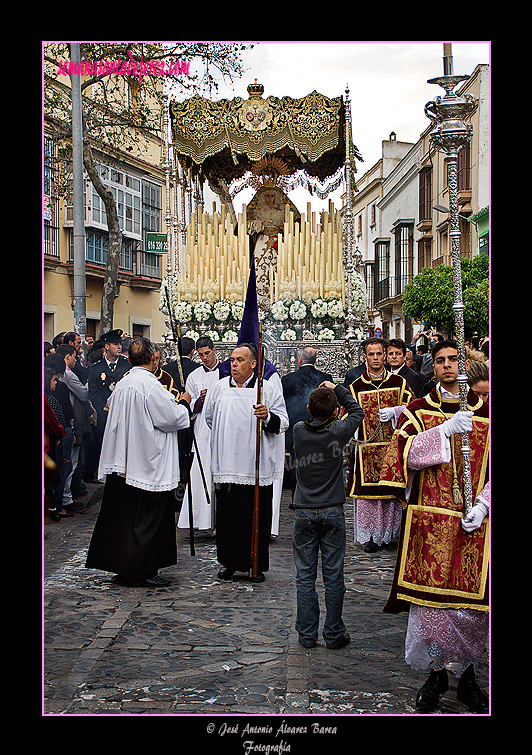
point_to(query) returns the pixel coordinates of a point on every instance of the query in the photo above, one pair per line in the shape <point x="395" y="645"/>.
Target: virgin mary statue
<point x="266" y="215"/>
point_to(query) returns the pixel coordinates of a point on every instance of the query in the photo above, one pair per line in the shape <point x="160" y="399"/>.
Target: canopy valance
<point x="223" y="139"/>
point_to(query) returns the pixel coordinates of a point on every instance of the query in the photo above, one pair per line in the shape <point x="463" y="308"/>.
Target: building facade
<point x="368" y="218"/>
<point x="405" y="230"/>
<point x="137" y="180"/>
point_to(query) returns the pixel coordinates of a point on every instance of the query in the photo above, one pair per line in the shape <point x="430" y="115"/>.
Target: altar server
<point x="231" y="411"/>
<point x="135" y="532"/>
<point x="198" y="384"/>
<point x="377" y="512"/>
<point x="441" y="575"/>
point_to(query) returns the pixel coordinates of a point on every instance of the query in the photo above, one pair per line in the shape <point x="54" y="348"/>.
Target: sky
<point x="387" y="82"/>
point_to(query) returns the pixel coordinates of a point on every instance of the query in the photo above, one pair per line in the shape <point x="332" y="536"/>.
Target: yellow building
<point x="137" y="179"/>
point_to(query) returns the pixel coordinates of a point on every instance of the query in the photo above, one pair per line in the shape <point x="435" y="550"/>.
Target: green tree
<point x="430" y="297"/>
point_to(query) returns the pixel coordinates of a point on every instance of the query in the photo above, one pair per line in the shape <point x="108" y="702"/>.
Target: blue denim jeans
<point x="318" y="530"/>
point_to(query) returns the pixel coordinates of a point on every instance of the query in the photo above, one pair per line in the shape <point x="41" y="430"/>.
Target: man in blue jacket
<point x="319" y="522"/>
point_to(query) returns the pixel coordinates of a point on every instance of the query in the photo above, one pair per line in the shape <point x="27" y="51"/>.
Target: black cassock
<point x="135" y="533"/>
<point x="234" y="525"/>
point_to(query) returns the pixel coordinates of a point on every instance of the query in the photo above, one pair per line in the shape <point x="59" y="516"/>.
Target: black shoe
<point x="372" y="547"/>
<point x="225" y="573"/>
<point x="259" y="578"/>
<point x="343" y="639"/>
<point x="307" y="643"/>
<point x="150" y="582"/>
<point x="77" y="508"/>
<point x="469" y="693"/>
<point x="429" y="694"/>
<point x="52" y="515"/>
<point x="64" y="514"/>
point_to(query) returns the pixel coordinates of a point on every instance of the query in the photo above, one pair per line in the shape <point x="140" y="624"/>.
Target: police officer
<point x="102" y="378"/>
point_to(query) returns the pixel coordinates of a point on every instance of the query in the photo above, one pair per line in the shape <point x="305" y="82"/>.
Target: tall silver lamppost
<point x="348" y="246"/>
<point x="449" y="135"/>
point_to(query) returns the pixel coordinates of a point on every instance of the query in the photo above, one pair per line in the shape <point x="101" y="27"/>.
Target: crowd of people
<point x="212" y="442"/>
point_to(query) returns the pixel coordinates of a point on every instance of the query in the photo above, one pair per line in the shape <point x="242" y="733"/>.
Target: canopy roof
<point x="223" y="139"/>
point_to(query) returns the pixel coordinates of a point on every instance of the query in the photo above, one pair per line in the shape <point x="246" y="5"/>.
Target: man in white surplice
<point x="198" y="383"/>
<point x="231" y="410"/>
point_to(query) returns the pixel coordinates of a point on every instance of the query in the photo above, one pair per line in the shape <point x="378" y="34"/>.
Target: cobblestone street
<point x="220" y="649"/>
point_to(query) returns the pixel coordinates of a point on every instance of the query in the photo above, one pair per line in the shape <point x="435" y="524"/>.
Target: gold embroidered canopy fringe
<point x="222" y="139"/>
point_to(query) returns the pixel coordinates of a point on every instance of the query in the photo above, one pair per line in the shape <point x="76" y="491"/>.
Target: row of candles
<point x="309" y="257"/>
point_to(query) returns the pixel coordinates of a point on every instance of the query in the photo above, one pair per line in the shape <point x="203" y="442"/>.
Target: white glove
<point x="475" y="517"/>
<point x="386" y="414"/>
<point x="461" y="422"/>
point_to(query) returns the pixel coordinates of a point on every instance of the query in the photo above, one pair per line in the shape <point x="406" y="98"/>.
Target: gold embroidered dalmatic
<point x="438" y="564"/>
<point x="373" y="395"/>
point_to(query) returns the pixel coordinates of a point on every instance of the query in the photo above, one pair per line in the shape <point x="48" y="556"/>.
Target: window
<point x="97" y="246"/>
<point x="404" y="237"/>
<point x="128" y="209"/>
<point x="99" y="214"/>
<point x="464" y="168"/>
<point x="138" y="206"/>
<point x="151" y="207"/>
<point x="424" y="254"/>
<point x="370" y="284"/>
<point x="425" y="194"/>
<point x="132" y="213"/>
<point x="51" y="224"/>
<point x="382" y="270"/>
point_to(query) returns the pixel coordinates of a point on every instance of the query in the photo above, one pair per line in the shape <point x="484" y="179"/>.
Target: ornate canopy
<point x="222" y="139"/>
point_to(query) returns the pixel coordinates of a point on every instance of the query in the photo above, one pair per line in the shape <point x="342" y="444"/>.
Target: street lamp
<point x="441" y="208"/>
<point x="450" y="133"/>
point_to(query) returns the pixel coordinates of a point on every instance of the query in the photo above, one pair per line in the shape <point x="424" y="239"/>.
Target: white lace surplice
<point x="377" y="520"/>
<point x="445" y="637"/>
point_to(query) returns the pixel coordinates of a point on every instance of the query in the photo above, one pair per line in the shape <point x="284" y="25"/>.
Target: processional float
<point x="272" y="145"/>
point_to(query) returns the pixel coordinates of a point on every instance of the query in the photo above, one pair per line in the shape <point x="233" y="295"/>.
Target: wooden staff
<point x="255" y="529"/>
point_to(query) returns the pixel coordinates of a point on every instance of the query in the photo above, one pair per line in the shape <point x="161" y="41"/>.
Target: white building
<point x="397" y="229"/>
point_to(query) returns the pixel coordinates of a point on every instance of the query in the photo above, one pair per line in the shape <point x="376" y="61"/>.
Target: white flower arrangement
<point x="202" y="311"/>
<point x="213" y="335"/>
<point x="319" y="309"/>
<point x="221" y="310"/>
<point x="183" y="311"/>
<point x="326" y="335"/>
<point x="335" y="309"/>
<point x="279" y="311"/>
<point x="229" y="335"/>
<point x="288" y="335"/>
<point x="192" y="334"/>
<point x="237" y="310"/>
<point x="298" y="310"/>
